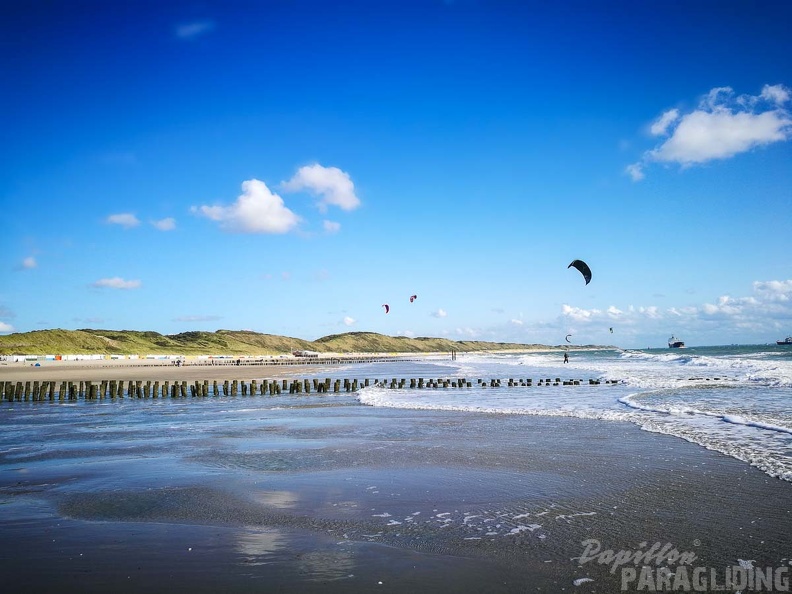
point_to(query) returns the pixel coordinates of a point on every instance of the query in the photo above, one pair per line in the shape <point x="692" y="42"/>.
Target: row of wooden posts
<point x="87" y="390"/>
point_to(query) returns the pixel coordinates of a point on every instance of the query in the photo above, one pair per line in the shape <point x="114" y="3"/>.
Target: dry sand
<point x="156" y="370"/>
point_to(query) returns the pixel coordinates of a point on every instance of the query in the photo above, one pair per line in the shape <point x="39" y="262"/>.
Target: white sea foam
<point x="568" y="517"/>
<point x="734" y="401"/>
<point x="645" y="369"/>
<point x="737" y="420"/>
<point x="524" y="528"/>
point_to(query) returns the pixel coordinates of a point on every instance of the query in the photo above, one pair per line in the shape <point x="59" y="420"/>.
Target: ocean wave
<point x="683" y="410"/>
<point x="708" y="424"/>
<point x="738" y="420"/>
<point x="396" y="398"/>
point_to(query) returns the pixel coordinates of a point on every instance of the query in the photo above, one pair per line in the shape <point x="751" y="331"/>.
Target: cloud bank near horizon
<point x="768" y="309"/>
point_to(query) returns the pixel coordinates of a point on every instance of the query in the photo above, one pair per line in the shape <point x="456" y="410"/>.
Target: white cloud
<point x="166" y="224"/>
<point x="29" y="262"/>
<point x="256" y="210"/>
<point x="763" y="315"/>
<point x="651" y="312"/>
<point x="660" y="127"/>
<point x="774" y="291"/>
<point x="705" y="136"/>
<point x="778" y="94"/>
<point x="679" y="312"/>
<point x="766" y="311"/>
<point x="333" y="186"/>
<point x="6" y="327"/>
<point x="516" y="322"/>
<point x="125" y="219"/>
<point x="578" y="314"/>
<point x="349" y="321"/>
<point x="635" y="171"/>
<point x="116" y="282"/>
<point x="721" y="127"/>
<point x="194" y="29"/>
<point x="331" y="226"/>
<point x="440" y="313"/>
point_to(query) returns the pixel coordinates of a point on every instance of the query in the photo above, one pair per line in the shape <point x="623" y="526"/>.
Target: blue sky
<point x="290" y="166"/>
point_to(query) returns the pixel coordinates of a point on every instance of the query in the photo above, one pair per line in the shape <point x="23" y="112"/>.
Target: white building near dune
<point x="309" y="354"/>
<point x="53" y="358"/>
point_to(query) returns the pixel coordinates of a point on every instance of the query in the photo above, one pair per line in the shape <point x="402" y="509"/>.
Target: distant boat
<point x="675" y="343"/>
<point x="786" y="342"/>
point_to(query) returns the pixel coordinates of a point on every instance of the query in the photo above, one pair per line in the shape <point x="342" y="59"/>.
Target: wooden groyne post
<point x="68" y="391"/>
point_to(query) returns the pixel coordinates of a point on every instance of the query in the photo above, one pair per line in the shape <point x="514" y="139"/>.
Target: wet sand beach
<point x="319" y="493"/>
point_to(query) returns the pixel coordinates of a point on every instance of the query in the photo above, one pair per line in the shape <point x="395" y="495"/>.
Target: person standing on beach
<point x="566" y="357"/>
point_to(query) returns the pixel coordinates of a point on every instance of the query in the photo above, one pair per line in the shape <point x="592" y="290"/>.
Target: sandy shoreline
<point x="158" y="370"/>
<point x="198" y="368"/>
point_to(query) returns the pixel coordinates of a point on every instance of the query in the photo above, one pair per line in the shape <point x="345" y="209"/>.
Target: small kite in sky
<point x="413" y="298"/>
<point x="386" y="306"/>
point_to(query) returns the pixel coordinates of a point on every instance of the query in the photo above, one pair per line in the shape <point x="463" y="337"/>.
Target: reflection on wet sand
<point x="257" y="546"/>
<point x="323" y="566"/>
<point x="278" y="499"/>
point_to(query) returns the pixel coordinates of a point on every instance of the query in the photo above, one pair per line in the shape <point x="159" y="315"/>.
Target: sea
<point x="736" y="399"/>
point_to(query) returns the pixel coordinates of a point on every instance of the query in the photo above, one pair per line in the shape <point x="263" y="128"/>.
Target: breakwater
<point x="70" y="391"/>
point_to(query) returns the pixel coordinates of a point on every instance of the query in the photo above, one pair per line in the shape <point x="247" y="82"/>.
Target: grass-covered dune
<point x="227" y="342"/>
